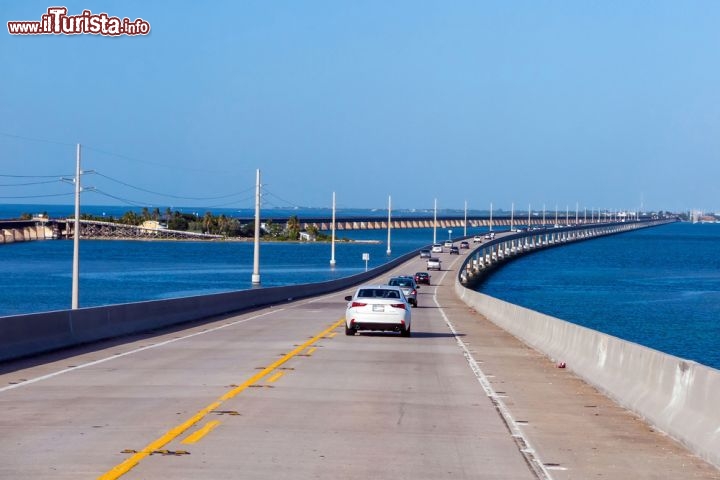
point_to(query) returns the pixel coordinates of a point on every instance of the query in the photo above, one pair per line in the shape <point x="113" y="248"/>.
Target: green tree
<point x="178" y="222"/>
<point x="293" y="228"/>
<point x="313" y="231"/>
<point x="232" y="229"/>
<point x="247" y="230"/>
<point x="208" y="222"/>
<point x="130" y="218"/>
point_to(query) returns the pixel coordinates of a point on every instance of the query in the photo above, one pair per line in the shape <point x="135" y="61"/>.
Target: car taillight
<point x="357" y="304"/>
<point x="413" y="292"/>
<point x="398" y="305"/>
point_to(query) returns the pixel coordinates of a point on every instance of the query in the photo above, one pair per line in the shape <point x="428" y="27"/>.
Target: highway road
<point x="275" y="393"/>
<point x="282" y="393"/>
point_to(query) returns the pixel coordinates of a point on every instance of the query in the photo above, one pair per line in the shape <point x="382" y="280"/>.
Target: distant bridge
<point x="377" y="222"/>
<point x="43" y="228"/>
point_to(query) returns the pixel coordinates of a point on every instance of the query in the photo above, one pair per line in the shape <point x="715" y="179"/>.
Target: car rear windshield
<point x="400" y="283"/>
<point x="378" y="293"/>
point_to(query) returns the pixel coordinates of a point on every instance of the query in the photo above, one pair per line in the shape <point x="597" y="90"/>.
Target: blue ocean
<point x="659" y="287"/>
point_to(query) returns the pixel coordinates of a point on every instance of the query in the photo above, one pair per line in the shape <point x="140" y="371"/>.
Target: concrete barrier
<point x="678" y="396"/>
<point x="24" y="335"/>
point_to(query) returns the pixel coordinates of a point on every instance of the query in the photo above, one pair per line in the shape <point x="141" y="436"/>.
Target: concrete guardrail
<point x="30" y="334"/>
<point x="678" y="396"/>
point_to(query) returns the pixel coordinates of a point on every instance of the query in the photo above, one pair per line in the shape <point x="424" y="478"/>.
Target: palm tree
<point x="293" y="228"/>
<point x="208" y="222"/>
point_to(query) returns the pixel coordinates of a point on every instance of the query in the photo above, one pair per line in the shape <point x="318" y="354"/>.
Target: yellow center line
<point x="275" y="377"/>
<point x="311" y="350"/>
<point x="122" y="468"/>
<point x="194" y="437"/>
<point x="332" y="335"/>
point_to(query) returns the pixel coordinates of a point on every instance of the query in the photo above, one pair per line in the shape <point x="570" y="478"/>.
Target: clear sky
<point x="605" y="103"/>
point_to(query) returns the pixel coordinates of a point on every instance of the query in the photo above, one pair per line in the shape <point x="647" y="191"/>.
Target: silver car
<point x="408" y="286"/>
<point x="433" y="263"/>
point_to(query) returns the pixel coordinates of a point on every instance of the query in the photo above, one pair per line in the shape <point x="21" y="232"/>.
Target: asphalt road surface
<point x="282" y="393"/>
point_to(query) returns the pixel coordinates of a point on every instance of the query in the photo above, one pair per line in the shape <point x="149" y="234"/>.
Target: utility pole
<point x="577" y="205"/>
<point x="76" y="239"/>
<point x="512" y="215"/>
<point x="465" y="221"/>
<point x="389" y="251"/>
<point x="435" y="222"/>
<point x="332" y="229"/>
<point x="256" y="251"/>
<point x="529" y="213"/>
<point x="491" y="209"/>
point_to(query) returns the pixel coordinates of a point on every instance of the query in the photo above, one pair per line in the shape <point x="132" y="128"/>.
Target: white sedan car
<point x="378" y="307"/>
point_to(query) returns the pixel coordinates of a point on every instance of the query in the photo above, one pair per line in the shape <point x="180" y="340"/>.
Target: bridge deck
<point x="295" y="398"/>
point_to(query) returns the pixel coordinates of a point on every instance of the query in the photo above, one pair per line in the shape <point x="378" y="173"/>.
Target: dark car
<point x="425" y="253"/>
<point x="464" y="244"/>
<point x="422" y="277"/>
<point x="454" y="251"/>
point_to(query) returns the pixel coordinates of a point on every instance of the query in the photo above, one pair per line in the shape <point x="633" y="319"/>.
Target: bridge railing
<point x="491" y="254"/>
<point x="675" y="395"/>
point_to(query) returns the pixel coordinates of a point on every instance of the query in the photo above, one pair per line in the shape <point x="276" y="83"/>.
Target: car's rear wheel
<point x="405" y="332"/>
<point x="349" y="331"/>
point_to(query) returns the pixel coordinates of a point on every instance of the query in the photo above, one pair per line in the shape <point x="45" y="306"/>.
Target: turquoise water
<point x="658" y="287"/>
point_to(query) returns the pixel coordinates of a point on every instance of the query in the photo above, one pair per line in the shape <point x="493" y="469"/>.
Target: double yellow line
<point x="124" y="467"/>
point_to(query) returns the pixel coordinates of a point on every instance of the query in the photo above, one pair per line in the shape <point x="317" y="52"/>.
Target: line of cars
<point x="384" y="307"/>
<point x="434" y="263"/>
<point x="389" y="307"/>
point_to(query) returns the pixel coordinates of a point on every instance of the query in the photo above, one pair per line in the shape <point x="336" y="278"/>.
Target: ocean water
<point x="659" y="287"/>
<point x="36" y="276"/>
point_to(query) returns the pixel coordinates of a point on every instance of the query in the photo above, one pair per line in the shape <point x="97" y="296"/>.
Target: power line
<point x="171" y="196"/>
<point x="27" y="183"/>
<point x="235" y="202"/>
<point x="146" y="162"/>
<point x="105" y="152"/>
<point x="287" y="202"/>
<point x="40" y="140"/>
<point x="124" y="200"/>
<point x="39" y="196"/>
<point x="34" y="176"/>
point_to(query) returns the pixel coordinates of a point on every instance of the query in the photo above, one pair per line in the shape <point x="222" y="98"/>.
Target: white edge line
<point x="119" y="355"/>
<point x="528" y="452"/>
<point x="131" y="352"/>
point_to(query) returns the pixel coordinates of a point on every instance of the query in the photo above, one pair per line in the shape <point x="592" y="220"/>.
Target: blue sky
<point x="602" y="103"/>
